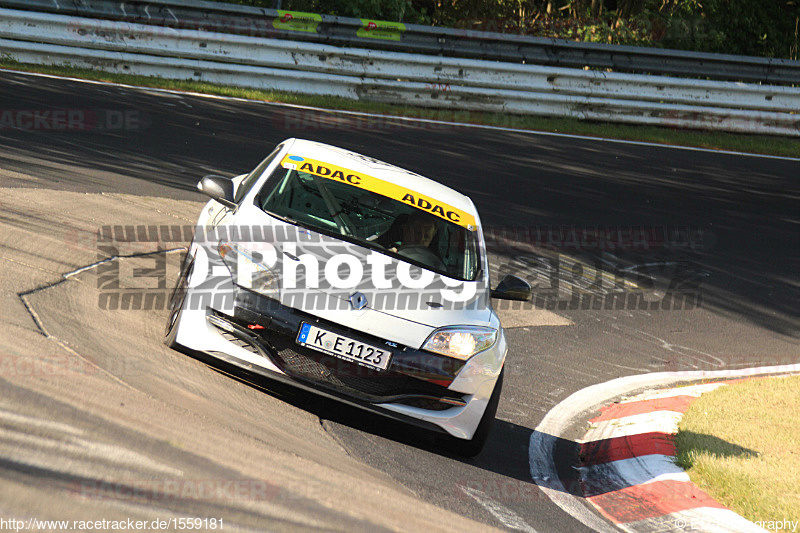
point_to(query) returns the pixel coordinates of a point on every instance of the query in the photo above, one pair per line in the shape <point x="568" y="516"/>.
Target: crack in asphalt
<point x="66" y="277"/>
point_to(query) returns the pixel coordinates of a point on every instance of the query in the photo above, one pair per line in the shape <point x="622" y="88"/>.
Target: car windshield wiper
<point x="288" y="220"/>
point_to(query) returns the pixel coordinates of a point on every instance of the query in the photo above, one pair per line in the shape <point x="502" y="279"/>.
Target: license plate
<point x="343" y="347"/>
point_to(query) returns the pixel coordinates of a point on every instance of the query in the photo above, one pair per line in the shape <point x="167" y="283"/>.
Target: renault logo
<point x="358" y="301"/>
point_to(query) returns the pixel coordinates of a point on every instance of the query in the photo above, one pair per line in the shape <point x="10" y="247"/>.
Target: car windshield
<point x="371" y="220"/>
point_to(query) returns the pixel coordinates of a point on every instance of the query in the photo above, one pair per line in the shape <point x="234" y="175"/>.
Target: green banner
<point x="297" y="21"/>
<point x="379" y="29"/>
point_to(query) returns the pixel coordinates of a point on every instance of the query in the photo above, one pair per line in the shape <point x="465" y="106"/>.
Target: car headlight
<point x="250" y="268"/>
<point x="461" y="342"/>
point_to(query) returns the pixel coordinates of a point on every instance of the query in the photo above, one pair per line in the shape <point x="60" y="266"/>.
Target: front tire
<point x="472" y="447"/>
<point x="176" y="302"/>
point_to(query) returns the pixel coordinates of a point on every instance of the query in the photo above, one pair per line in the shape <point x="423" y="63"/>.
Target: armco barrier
<point x="339" y="31"/>
<point x="463" y="84"/>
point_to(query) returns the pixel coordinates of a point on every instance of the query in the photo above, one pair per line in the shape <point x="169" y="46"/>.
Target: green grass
<point x="762" y="144"/>
<point x="741" y="444"/>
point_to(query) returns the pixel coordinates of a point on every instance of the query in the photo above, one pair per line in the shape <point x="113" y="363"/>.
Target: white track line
<point x="412" y="119"/>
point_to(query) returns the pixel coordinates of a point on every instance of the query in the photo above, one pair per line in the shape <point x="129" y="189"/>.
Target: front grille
<point x="238" y="342"/>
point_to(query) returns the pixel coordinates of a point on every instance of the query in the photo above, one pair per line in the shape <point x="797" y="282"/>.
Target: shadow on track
<point x="505" y="453"/>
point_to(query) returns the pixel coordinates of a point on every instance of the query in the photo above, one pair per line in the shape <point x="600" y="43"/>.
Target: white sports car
<point x="354" y="279"/>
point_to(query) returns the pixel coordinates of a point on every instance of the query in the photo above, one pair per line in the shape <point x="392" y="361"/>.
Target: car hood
<point x="403" y="314"/>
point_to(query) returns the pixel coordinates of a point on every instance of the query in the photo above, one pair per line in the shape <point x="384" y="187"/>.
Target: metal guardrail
<point x="447" y="42"/>
<point x="452" y="83"/>
<point x="441" y="73"/>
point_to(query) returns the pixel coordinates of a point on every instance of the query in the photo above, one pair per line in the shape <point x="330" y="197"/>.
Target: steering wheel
<point x="421" y="254"/>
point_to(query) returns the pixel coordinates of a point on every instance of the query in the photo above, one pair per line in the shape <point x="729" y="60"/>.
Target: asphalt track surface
<point x="182" y="416"/>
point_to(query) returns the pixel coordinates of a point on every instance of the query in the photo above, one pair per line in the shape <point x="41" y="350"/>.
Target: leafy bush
<point x="767" y="28"/>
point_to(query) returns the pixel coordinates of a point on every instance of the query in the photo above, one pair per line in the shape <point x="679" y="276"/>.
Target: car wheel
<point x="176" y="305"/>
<point x="471" y="448"/>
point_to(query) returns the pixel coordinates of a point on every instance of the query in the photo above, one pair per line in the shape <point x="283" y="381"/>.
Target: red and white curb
<point x="629" y="476"/>
<point x="557" y="426"/>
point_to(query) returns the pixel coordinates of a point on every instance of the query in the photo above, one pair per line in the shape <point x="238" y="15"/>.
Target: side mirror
<point x="512" y="288"/>
<point x="218" y="188"/>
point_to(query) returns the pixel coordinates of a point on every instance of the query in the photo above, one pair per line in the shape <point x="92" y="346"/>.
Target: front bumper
<point x="420" y="388"/>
